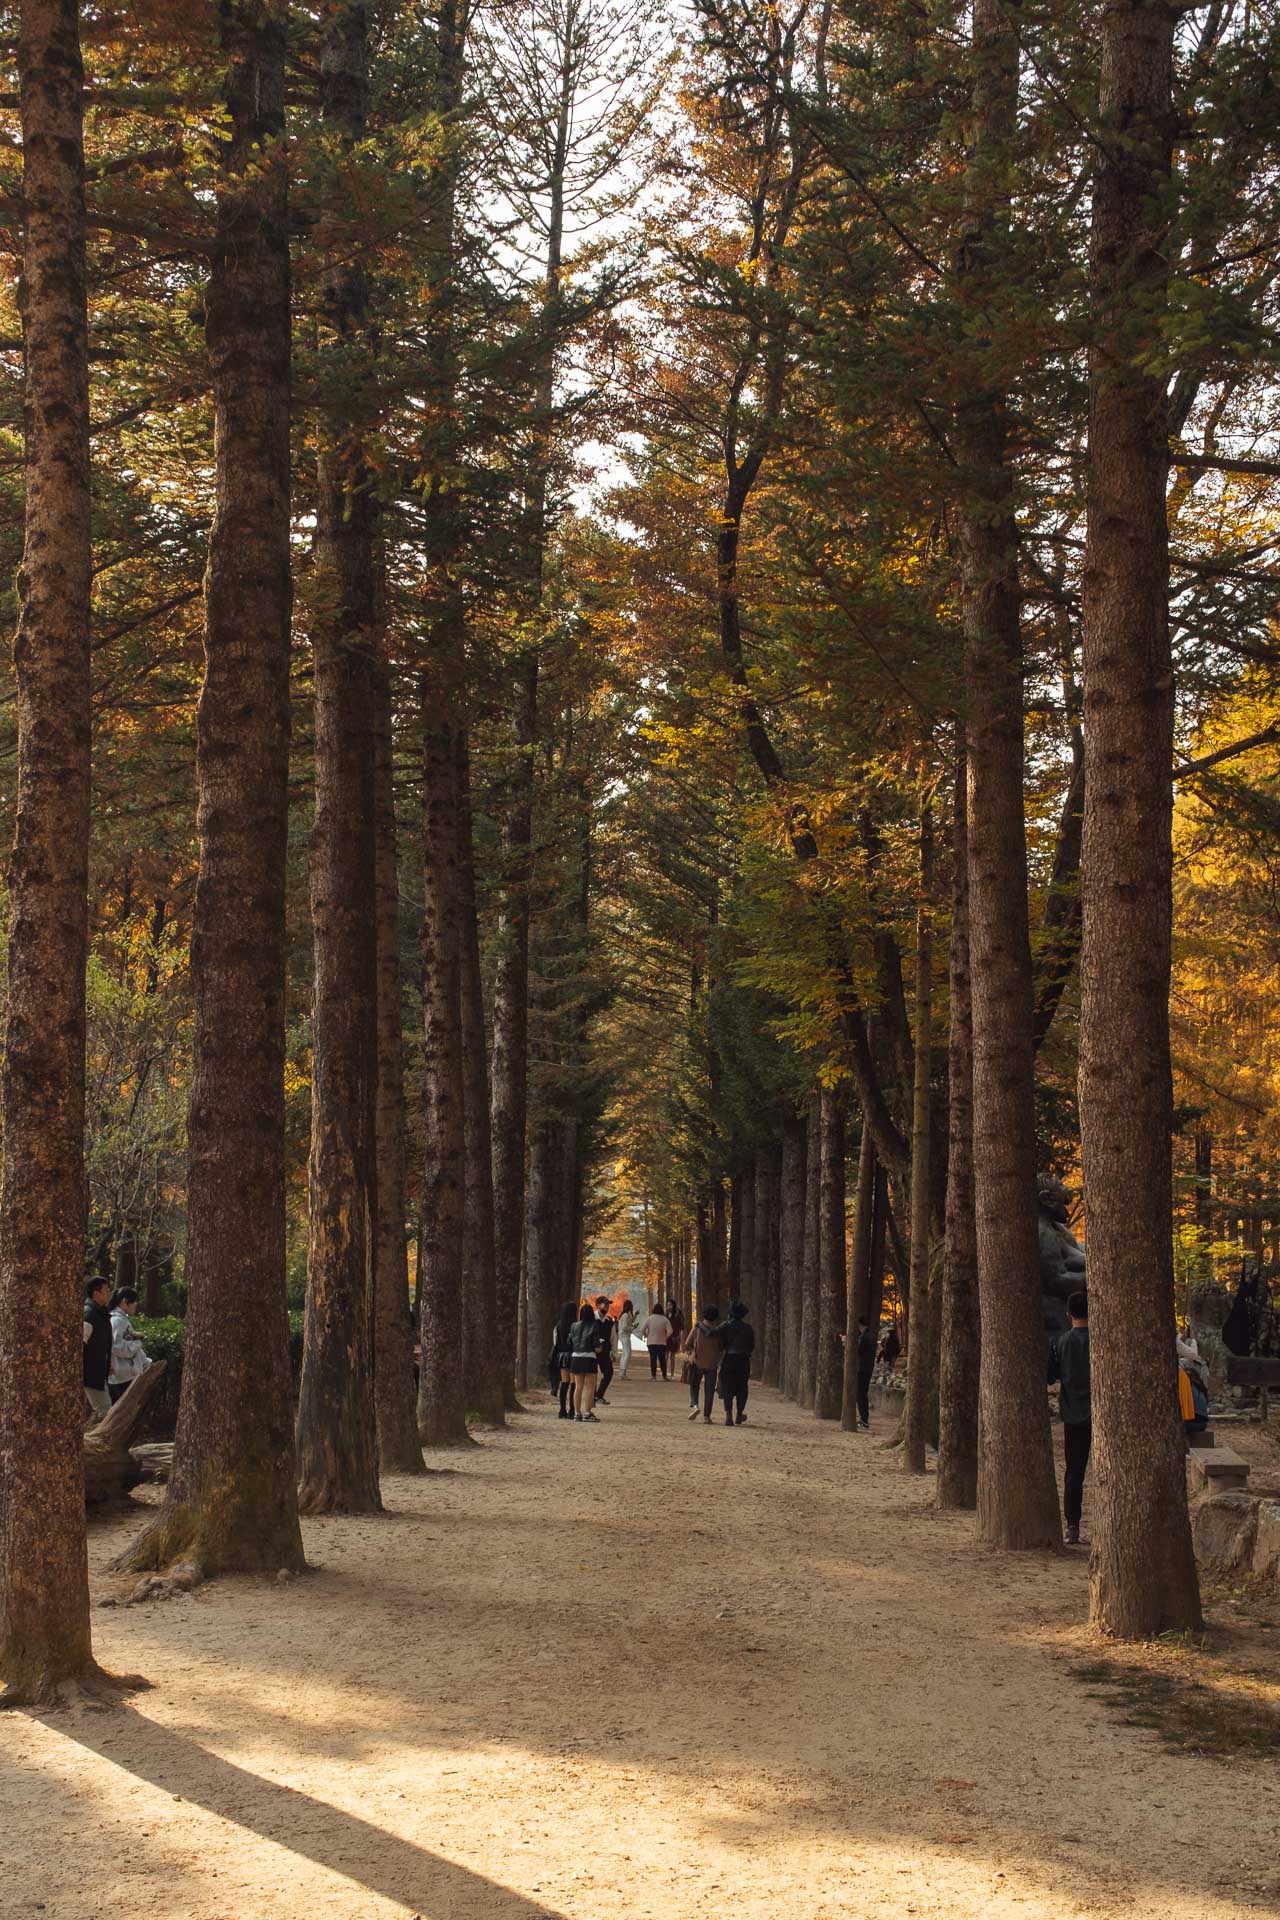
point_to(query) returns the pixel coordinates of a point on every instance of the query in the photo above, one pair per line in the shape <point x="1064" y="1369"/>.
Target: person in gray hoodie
<point x="703" y="1349"/>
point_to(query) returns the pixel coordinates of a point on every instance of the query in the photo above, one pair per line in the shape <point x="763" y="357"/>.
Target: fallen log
<point x="109" y="1468"/>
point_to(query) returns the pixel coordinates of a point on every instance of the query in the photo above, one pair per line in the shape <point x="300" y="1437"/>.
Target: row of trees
<point x="654" y="839"/>
<point x="986" y="329"/>
<point x="295" y="279"/>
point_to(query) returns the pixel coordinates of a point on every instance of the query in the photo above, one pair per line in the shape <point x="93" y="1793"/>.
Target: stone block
<point x="1266" y="1543"/>
<point x="1217" y="1469"/>
<point x="1225" y="1527"/>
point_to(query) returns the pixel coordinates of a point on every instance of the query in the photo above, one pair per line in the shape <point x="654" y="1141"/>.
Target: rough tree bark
<point x="441" y="1398"/>
<point x="1017" y="1494"/>
<point x="399" y="1448"/>
<point x="544" y="1285"/>
<point x="442" y="1409"/>
<point x="766" y="1212"/>
<point x="719" y="1248"/>
<point x="959" y="1356"/>
<point x="919" y="1353"/>
<point x="733" y="1276"/>
<point x="832" y="1301"/>
<point x="859" y="1278"/>
<point x="510" y="1059"/>
<point x="336" y="1423"/>
<point x="232" y="1502"/>
<point x="791" y="1251"/>
<point x="45" y="1646"/>
<point x="747" y="1284"/>
<point x="811" y="1294"/>
<point x="486" y="1363"/>
<point x="510" y="1110"/>
<point x="1142" y="1570"/>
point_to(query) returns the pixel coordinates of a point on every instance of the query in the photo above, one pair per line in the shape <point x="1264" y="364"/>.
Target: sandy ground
<point x="645" y="1669"/>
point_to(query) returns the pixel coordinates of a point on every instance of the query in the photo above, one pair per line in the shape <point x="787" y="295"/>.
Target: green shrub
<point x="164" y="1339"/>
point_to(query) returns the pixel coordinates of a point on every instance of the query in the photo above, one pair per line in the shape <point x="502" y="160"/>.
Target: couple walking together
<point x="720" y="1355"/>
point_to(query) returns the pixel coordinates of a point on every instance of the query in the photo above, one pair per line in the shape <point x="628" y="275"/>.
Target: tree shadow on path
<point x="377" y="1860"/>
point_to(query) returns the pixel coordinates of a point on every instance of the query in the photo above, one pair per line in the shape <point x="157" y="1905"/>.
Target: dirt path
<point x="646" y="1670"/>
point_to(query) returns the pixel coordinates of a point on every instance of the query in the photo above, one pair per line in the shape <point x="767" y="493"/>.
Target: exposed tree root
<point x="90" y="1686"/>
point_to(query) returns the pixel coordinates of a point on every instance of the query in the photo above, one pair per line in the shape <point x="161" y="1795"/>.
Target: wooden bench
<point x="1217" y="1470"/>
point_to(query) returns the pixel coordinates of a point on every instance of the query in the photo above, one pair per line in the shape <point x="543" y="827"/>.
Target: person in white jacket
<point x="128" y="1355"/>
<point x="626" y="1325"/>
<point x="655" y="1333"/>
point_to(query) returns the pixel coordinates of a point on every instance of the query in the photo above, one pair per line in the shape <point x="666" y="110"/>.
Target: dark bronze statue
<point x="1062" y="1262"/>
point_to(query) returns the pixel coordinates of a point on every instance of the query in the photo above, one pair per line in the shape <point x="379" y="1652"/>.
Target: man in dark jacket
<point x="604" y="1348"/>
<point x="97" y="1345"/>
<point x="1069" y="1364"/>
<point x="737" y="1344"/>
<point x="866" y="1367"/>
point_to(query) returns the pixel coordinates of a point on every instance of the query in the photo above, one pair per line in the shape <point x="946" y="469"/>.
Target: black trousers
<point x="606" y="1373"/>
<point x="1077" y="1438"/>
<point x="658" y="1358"/>
<point x="864" y="1400"/>
<point x="704" y="1377"/>
<point x="735" y="1379"/>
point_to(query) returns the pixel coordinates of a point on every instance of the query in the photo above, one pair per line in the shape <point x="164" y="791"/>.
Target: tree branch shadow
<point x="381" y="1862"/>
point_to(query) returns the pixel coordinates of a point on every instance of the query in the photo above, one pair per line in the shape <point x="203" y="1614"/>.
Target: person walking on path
<point x="97" y="1347"/>
<point x="656" y="1333"/>
<point x="584" y="1337"/>
<point x="738" y="1343"/>
<point x="676" y="1318"/>
<point x="559" y="1358"/>
<point x="128" y="1355"/>
<point x="866" y="1367"/>
<point x="703" y="1348"/>
<point x="604" y="1347"/>
<point x="626" y="1327"/>
<point x="1069" y="1365"/>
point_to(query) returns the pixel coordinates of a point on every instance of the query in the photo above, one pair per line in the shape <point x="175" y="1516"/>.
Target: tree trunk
<point x="811" y="1291"/>
<point x="832" y="1303"/>
<point x="960" y="1346"/>
<point x="232" y="1501"/>
<point x="486" y="1363"/>
<point x="747" y="1286"/>
<point x="1142" y="1570"/>
<point x="336" y="1423"/>
<point x="511" y="1024"/>
<point x="399" y="1448"/>
<point x="44" y="1596"/>
<point x="719" y="1249"/>
<point x="916" y="1424"/>
<point x="733" y="1276"/>
<point x="1204" y="1186"/>
<point x="879" y="1227"/>
<point x="442" y="1408"/>
<point x="859" y="1281"/>
<point x="791" y="1251"/>
<point x="1017" y="1496"/>
<point x="542" y="1282"/>
<point x="765" y="1210"/>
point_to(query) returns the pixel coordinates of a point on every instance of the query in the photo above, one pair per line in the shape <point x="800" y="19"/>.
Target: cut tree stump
<point x="110" y="1470"/>
<point x="155" y="1459"/>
